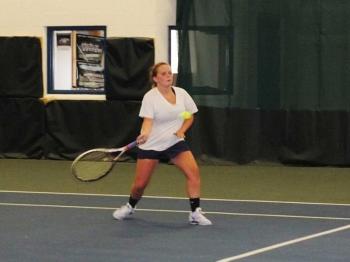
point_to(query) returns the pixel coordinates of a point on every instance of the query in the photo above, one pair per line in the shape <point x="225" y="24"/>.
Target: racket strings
<point x="94" y="165"/>
<point x="99" y="156"/>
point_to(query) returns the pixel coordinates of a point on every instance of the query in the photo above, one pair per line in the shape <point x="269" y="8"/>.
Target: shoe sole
<point x="198" y="224"/>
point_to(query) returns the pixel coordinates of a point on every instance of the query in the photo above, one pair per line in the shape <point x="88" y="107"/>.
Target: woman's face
<point x="164" y="76"/>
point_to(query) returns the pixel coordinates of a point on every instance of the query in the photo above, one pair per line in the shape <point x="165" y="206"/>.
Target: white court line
<point x="88" y="207"/>
<point x="279" y="216"/>
<point x="287" y="243"/>
<point x="177" y="211"/>
<point x="180" y="198"/>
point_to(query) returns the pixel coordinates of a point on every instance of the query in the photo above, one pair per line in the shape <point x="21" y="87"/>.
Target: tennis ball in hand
<point x="185" y="115"/>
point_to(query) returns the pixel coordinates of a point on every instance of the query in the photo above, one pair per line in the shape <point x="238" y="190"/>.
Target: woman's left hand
<point x="180" y="134"/>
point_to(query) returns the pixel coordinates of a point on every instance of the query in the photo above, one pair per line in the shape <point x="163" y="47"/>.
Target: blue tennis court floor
<point x="49" y="226"/>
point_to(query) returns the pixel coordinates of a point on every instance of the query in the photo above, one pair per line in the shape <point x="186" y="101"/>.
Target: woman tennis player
<point x="162" y="137"/>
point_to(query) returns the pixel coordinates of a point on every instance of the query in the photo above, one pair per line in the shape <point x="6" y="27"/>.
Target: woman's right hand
<point x="141" y="139"/>
<point x="145" y="131"/>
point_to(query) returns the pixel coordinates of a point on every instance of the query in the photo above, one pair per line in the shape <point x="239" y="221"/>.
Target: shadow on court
<point x="76" y="227"/>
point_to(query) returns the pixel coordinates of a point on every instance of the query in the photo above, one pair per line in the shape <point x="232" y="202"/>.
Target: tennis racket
<point x="96" y="163"/>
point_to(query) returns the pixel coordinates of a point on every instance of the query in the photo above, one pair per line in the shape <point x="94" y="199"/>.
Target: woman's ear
<point x="154" y="80"/>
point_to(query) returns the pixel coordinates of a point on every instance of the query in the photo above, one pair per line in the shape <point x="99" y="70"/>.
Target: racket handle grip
<point x="131" y="145"/>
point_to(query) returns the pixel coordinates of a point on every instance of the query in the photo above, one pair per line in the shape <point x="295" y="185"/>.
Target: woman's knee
<point x="194" y="179"/>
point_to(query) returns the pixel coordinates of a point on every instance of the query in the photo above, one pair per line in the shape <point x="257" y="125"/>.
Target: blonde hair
<point x="154" y="72"/>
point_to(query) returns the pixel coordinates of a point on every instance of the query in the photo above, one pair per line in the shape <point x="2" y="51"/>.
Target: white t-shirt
<point x="166" y="117"/>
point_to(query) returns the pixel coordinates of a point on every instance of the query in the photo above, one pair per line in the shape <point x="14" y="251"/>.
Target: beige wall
<point x="123" y="18"/>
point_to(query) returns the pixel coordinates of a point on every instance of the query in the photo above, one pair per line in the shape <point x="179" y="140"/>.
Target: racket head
<point x="96" y="163"/>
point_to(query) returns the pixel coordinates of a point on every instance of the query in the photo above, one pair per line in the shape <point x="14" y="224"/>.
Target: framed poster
<point x="76" y="59"/>
<point x="88" y="61"/>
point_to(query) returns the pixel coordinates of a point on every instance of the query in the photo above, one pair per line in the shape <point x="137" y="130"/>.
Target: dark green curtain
<point x="289" y="93"/>
<point x="128" y="60"/>
<point x="75" y="126"/>
<point x="288" y="54"/>
<point x="22" y="127"/>
<point x="21" y="67"/>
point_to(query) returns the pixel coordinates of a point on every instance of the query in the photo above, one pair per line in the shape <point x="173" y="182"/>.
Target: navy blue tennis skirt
<point x="169" y="153"/>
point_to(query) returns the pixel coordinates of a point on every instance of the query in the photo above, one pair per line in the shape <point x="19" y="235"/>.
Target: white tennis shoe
<point x="124" y="212"/>
<point x="197" y="218"/>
